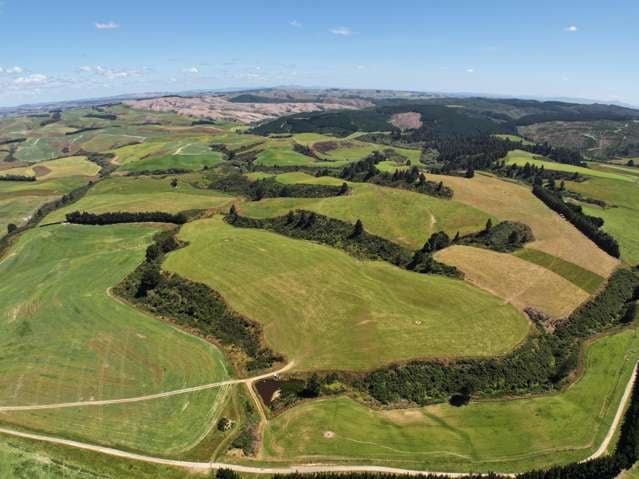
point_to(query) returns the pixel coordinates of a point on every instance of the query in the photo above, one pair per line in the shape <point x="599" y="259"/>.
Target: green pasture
<point x="501" y="435"/>
<point x="621" y="215"/>
<point x="520" y="157"/>
<point x="354" y="150"/>
<point x="183" y="161"/>
<point x="402" y="216"/>
<point x="61" y="167"/>
<point x="37" y="149"/>
<point x="282" y="156"/>
<point x="144" y="193"/>
<point x="68" y="340"/>
<point x="326" y="310"/>
<point x="18" y="210"/>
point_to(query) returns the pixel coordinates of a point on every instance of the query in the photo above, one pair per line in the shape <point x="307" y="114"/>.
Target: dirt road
<point x="204" y="466"/>
<point x="618" y="417"/>
<point x="148" y="397"/>
<point x="306" y="468"/>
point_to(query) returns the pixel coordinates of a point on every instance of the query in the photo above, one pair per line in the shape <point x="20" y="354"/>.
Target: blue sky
<point x="58" y="50"/>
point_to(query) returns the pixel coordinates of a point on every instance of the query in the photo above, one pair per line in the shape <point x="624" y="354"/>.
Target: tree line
<point x="352" y="238"/>
<point x="588" y="225"/>
<point x="365" y="171"/>
<point x="193" y="305"/>
<point x="17" y="178"/>
<point x="85" y="218"/>
<point x="533" y="173"/>
<point x="238" y="184"/>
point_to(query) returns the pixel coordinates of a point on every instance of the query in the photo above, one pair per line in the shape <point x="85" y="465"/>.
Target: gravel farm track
<point x="305" y="468"/>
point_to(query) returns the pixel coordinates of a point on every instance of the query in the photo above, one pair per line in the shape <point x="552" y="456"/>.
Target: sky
<point x="70" y="49"/>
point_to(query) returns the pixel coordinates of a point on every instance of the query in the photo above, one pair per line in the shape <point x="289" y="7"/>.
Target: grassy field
<point x="484" y="436"/>
<point x="20" y="199"/>
<point x="68" y="340"/>
<point x="25" y="459"/>
<point x="185" y="161"/>
<point x="402" y="216"/>
<point x="353" y="150"/>
<point x="134" y="153"/>
<point x="521" y="283"/>
<point x="109" y="141"/>
<point x="37" y="149"/>
<point x="308" y="139"/>
<point x="519" y="157"/>
<point x="511" y="201"/>
<point x="62" y="167"/>
<point x="20" y="462"/>
<point x="621" y="217"/>
<point x="282" y="157"/>
<point x="143" y="193"/>
<point x="18" y="210"/>
<point x="584" y="279"/>
<point x="325" y="309"/>
<point x="54" y="186"/>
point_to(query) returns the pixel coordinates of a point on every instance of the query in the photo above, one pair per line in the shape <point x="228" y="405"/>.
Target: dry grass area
<point x="407" y="121"/>
<point x="520" y="283"/>
<point x="511" y="201"/>
<point x="218" y="108"/>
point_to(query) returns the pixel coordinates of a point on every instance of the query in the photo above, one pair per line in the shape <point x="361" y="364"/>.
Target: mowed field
<point x="521" y="283"/>
<point x="506" y="435"/>
<point x="181" y="161"/>
<point x="511" y="201"/>
<point x="580" y="277"/>
<point x="62" y="167"/>
<point x="324" y="309"/>
<point x="68" y="340"/>
<point x="144" y="193"/>
<point x="20" y="199"/>
<point x="402" y="216"/>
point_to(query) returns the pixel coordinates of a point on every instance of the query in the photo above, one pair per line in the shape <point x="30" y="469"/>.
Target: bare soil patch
<point x="326" y="146"/>
<point x="40" y="170"/>
<point x="218" y="108"/>
<point x="407" y="121"/>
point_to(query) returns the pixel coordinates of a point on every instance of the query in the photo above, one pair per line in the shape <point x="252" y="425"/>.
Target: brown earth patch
<point x="40" y="170"/>
<point x="407" y="121"/>
<point x="325" y="146"/>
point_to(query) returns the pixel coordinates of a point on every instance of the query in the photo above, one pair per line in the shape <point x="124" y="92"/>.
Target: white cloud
<point x="343" y="31"/>
<point x="191" y="70"/>
<point x="571" y="28"/>
<point x="34" y="79"/>
<point x="111" y="73"/>
<point x="360" y="67"/>
<point x="107" y="25"/>
<point x="12" y="70"/>
<point x="295" y="23"/>
<point x="470" y="70"/>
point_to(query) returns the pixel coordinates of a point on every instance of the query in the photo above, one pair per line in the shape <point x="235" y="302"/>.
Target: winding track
<point x="306" y="468"/>
<point x="176" y="392"/>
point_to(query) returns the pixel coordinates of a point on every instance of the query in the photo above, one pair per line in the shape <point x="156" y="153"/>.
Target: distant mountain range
<point x="292" y="92"/>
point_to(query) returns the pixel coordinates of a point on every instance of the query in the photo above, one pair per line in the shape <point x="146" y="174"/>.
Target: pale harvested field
<point x="510" y="201"/>
<point x="518" y="282"/>
<point x="223" y="110"/>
